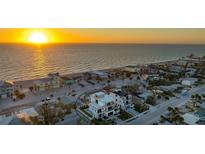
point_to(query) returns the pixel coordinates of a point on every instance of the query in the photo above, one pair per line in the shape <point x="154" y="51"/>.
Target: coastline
<point x="28" y="83"/>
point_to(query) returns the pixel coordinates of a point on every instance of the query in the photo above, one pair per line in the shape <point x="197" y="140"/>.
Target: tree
<point x="170" y="109"/>
<point x="159" y="97"/>
<point x="167" y="97"/>
<point x="192" y="96"/>
<point x="31" y="89"/>
<point x="19" y="95"/>
<point x="150" y="100"/>
<point x="48" y="115"/>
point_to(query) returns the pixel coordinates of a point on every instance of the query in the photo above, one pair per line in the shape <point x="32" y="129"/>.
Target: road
<point x="152" y="116"/>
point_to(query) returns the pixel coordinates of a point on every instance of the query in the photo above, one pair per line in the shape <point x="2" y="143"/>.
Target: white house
<point x="132" y="69"/>
<point x="103" y="105"/>
<point x="188" y="81"/>
<point x="6" y="89"/>
<point x="123" y="99"/>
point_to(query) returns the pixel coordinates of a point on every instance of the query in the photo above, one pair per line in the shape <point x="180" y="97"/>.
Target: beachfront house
<point x="6" y="89"/>
<point x="99" y="73"/>
<point x="66" y="81"/>
<point x="122" y="98"/>
<point x="132" y="69"/>
<point x="103" y="105"/>
<point x="53" y="81"/>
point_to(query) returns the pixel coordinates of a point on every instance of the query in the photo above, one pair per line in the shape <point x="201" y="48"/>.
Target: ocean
<point x="25" y="61"/>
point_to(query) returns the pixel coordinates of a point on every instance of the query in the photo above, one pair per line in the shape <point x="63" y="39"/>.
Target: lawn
<point x="83" y="109"/>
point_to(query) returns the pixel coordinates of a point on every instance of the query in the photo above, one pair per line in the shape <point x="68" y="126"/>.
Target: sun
<point x="38" y="38"/>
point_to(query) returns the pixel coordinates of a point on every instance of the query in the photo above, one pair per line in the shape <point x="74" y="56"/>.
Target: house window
<point x="109" y="114"/>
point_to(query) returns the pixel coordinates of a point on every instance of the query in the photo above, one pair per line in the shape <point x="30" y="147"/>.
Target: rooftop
<point x="100" y="98"/>
<point x="190" y="118"/>
<point x="6" y="84"/>
<point x="100" y="73"/>
<point x="4" y="120"/>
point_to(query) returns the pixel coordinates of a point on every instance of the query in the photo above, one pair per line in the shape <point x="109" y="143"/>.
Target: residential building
<point x="101" y="74"/>
<point x="53" y="81"/>
<point x="103" y="105"/>
<point x="145" y="95"/>
<point x="6" y="89"/>
<point x="122" y="98"/>
<point x="171" y="88"/>
<point x="67" y="81"/>
<point x="190" y="119"/>
<point x="188" y="81"/>
<point x="132" y="69"/>
<point x="176" y="68"/>
<point x="190" y="72"/>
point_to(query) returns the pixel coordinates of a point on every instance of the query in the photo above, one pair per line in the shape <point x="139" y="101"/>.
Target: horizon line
<point x="102" y="43"/>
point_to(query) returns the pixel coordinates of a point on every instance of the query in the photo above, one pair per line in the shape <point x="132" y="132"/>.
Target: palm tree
<point x="170" y="109"/>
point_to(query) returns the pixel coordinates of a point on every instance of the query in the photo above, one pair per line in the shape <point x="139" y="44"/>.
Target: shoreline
<point x="29" y="82"/>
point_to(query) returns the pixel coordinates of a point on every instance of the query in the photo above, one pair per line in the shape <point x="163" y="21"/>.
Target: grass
<point x="83" y="109"/>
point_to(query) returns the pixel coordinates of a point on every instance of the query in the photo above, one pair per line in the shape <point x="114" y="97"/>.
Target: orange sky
<point x="113" y="35"/>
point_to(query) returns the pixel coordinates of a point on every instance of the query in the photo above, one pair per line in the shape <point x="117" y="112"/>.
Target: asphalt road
<point x="152" y="116"/>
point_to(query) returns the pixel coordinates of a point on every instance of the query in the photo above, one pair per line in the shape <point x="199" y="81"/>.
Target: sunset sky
<point x="115" y="35"/>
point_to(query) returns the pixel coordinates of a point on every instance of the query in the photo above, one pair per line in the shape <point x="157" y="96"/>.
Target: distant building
<point x="176" y="68"/>
<point x="171" y="88"/>
<point x="188" y="81"/>
<point x="53" y="81"/>
<point x="67" y="81"/>
<point x="6" y="89"/>
<point x="132" y="69"/>
<point x="103" y="106"/>
<point x="101" y="74"/>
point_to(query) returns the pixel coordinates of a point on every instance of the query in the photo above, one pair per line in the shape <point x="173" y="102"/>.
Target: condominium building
<point x="122" y="98"/>
<point x="53" y="81"/>
<point x="103" y="105"/>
